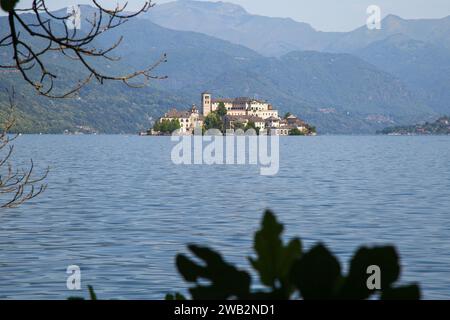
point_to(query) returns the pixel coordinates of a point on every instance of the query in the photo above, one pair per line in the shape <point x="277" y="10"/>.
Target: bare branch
<point x="26" y="58"/>
<point x="16" y="185"/>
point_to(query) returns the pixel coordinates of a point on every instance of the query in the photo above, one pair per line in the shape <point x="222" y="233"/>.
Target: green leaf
<point x="317" y="274"/>
<point x="411" y="292"/>
<point x="169" y="297"/>
<point x="386" y="258"/>
<point x="8" y="5"/>
<point x="92" y="294"/>
<point x="225" y="280"/>
<point x="177" y="297"/>
<point x="274" y="260"/>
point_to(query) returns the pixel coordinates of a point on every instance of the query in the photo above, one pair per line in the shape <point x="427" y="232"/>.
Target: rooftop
<point x="174" y="113"/>
<point x="237" y="100"/>
<point x="244" y="118"/>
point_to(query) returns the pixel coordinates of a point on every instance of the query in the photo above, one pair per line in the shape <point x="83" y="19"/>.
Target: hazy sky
<point x="326" y="15"/>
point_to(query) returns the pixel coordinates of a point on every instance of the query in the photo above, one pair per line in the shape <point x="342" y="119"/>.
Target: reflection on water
<point x="117" y="207"/>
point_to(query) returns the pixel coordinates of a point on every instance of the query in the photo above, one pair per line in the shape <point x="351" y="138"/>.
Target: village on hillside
<point x="439" y="127"/>
<point x="236" y="113"/>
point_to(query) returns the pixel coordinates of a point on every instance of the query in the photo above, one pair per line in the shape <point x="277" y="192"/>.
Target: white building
<point x="238" y="106"/>
<point x="234" y="121"/>
<point x="189" y="120"/>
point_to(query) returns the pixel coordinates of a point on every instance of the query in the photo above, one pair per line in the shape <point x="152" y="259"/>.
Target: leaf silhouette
<point x="225" y="280"/>
<point x="92" y="294"/>
<point x="274" y="259"/>
<point x="317" y="274"/>
<point x="386" y="258"/>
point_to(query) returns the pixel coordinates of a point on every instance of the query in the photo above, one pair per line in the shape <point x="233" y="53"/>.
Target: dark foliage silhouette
<point x="288" y="272"/>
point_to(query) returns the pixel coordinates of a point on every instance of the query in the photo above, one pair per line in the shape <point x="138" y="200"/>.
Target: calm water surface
<point x="117" y="207"/>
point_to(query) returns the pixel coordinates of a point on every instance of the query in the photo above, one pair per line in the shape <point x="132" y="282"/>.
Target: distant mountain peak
<point x="393" y="22"/>
<point x="219" y="7"/>
<point x="393" y="17"/>
<point x="269" y="36"/>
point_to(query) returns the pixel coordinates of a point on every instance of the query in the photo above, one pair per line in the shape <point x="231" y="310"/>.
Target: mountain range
<point x="356" y="82"/>
<point x="277" y="36"/>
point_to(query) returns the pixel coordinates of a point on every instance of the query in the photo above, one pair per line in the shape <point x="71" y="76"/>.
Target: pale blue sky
<point x="326" y="15"/>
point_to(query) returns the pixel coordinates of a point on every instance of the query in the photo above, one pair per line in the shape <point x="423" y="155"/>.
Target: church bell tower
<point x="206" y="103"/>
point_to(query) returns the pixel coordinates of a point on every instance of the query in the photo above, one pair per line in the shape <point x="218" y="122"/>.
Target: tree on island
<point x="221" y="110"/>
<point x="251" y="125"/>
<point x="216" y="119"/>
<point x="167" y="126"/>
<point x="296" y="132"/>
<point x="311" y="129"/>
<point x="213" y="121"/>
<point x="239" y="125"/>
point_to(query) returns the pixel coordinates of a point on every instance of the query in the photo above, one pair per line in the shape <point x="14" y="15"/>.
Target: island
<point x="439" y="127"/>
<point x="231" y="114"/>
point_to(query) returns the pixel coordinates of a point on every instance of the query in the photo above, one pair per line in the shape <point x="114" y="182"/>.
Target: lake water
<point x="117" y="207"/>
